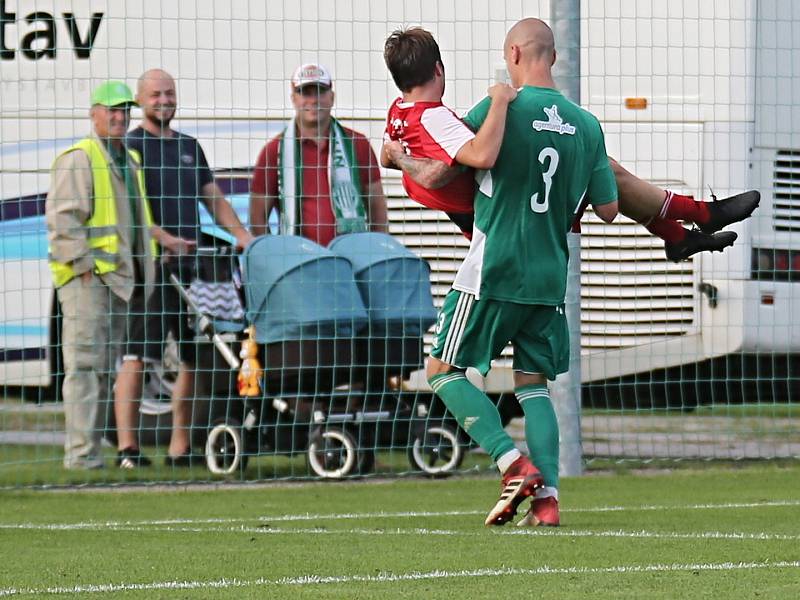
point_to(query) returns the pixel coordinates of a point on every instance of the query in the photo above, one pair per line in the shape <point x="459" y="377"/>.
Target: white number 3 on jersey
<point x="547" y="176"/>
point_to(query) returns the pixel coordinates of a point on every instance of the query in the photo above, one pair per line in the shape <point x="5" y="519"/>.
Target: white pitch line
<point x="652" y="507"/>
<point x="305" y="580"/>
<point x="421" y="531"/>
<point x="222" y="521"/>
<point x="387" y="515"/>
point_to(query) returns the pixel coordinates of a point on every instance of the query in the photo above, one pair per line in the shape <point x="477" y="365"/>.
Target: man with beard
<point x="323" y="178"/>
<point x="177" y="176"/>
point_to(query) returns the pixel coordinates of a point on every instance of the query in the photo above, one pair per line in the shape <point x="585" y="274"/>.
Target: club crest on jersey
<point x="554" y="122"/>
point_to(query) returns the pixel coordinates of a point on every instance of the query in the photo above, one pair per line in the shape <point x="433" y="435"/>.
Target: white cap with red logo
<point x="311" y="73"/>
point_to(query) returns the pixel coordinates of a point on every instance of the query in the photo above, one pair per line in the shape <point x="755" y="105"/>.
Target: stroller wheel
<point x="436" y="451"/>
<point x="225" y="448"/>
<point x="332" y="453"/>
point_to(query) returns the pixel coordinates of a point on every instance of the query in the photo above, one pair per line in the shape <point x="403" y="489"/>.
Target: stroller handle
<point x="217" y="251"/>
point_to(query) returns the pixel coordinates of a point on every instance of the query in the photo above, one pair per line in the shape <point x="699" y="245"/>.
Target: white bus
<point x="722" y="112"/>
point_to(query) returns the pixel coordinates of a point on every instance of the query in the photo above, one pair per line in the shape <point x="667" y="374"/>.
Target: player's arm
<point x="428" y="172"/>
<point x="482" y="150"/>
<point x="607" y="212"/>
<point x="224" y="215"/>
<point x="602" y="189"/>
<point x="479" y="151"/>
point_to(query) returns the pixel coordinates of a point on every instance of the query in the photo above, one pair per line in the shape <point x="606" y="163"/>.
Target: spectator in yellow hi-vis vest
<point x="102" y="245"/>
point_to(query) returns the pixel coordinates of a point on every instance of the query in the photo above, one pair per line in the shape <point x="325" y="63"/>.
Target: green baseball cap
<point x="113" y="93"/>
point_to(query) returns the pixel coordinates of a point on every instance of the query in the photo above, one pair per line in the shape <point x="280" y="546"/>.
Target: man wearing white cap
<point x="322" y="177"/>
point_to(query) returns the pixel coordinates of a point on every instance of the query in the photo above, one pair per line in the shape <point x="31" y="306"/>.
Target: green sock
<point x="541" y="430"/>
<point x="474" y="412"/>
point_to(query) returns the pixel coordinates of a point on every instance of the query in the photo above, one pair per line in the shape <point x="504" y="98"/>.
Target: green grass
<point x="32" y="421"/>
<point x="763" y="409"/>
<point x="714" y="532"/>
<point x="26" y="465"/>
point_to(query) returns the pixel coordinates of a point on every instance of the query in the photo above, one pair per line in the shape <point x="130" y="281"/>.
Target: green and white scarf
<point x="347" y="200"/>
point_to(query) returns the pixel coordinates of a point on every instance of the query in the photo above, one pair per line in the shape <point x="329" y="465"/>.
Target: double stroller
<point x="339" y="330"/>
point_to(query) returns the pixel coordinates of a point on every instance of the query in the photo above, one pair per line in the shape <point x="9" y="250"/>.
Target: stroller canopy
<point x="393" y="281"/>
<point x="296" y="289"/>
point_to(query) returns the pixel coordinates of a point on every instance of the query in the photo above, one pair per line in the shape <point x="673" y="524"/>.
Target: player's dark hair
<point x="411" y="56"/>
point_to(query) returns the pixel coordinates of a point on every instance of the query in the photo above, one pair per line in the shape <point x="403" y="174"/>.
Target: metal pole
<point x="566" y="390"/>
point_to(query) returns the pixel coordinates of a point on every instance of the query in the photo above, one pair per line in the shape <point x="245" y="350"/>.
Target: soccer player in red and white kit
<point x="431" y="130"/>
<point x="425" y="139"/>
<point x="427" y="128"/>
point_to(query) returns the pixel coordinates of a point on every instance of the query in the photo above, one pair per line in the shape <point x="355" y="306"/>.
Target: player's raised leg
<point x="659" y="211"/>
<point x="681" y="243"/>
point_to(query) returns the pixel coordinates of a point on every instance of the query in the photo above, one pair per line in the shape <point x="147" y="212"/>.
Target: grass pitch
<point x="715" y="532"/>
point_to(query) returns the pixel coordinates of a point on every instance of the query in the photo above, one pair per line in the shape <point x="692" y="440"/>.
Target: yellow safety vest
<point x="102" y="235"/>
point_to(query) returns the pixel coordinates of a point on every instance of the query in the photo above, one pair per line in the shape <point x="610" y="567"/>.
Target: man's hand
<point x="243" y="238"/>
<point x="502" y="92"/>
<point x="394" y="151"/>
<point x="481" y="152"/>
<point x="174" y="245"/>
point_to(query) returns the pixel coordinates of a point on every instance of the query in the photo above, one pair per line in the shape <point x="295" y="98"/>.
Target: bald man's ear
<point x="553" y="61"/>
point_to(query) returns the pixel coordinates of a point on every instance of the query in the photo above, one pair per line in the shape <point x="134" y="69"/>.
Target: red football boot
<point x="520" y="481"/>
<point x="542" y="513"/>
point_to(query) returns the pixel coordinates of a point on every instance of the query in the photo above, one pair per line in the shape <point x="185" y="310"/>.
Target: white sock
<point x="547" y="492"/>
<point x="505" y="461"/>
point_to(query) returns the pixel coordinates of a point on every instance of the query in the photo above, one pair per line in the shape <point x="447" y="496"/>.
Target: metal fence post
<point x="566" y="390"/>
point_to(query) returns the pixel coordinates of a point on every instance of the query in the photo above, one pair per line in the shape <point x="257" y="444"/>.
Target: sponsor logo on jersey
<point x="553" y="123"/>
<point x="187" y="159"/>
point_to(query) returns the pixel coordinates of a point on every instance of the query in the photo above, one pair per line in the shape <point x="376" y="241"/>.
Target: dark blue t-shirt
<point x="175" y="171"/>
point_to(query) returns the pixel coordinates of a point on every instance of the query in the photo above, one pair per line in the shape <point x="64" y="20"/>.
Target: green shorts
<point x="472" y="333"/>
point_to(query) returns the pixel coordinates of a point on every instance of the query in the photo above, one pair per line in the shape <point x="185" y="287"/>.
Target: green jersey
<point x="553" y="154"/>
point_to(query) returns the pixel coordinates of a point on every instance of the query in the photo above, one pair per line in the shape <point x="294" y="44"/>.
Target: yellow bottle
<point x="249" y="379"/>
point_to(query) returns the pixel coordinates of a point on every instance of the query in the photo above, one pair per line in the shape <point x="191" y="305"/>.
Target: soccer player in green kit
<point x="512" y="283"/>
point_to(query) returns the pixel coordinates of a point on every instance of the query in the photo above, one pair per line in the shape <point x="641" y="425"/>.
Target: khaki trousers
<point x="92" y="333"/>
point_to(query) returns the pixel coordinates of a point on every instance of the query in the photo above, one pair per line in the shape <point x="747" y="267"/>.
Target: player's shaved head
<point x="533" y="37"/>
<point x="529" y="52"/>
<point x="152" y="76"/>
